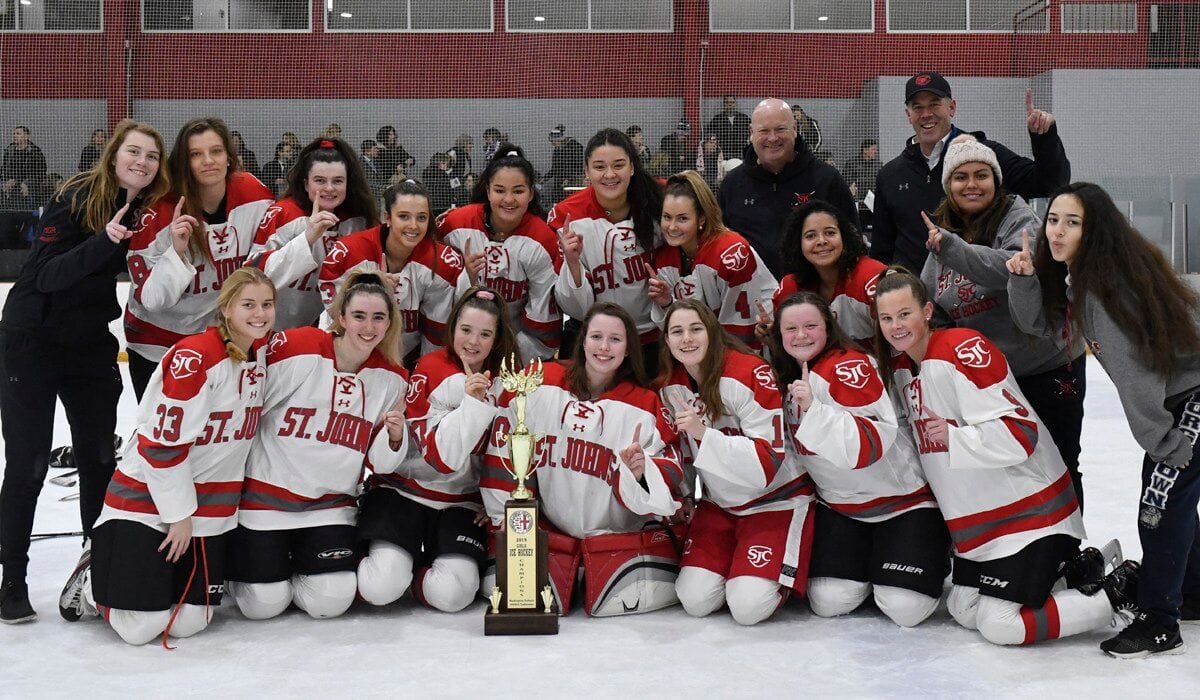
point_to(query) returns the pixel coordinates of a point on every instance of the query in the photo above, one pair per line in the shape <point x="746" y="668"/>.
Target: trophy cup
<point x="522" y="576"/>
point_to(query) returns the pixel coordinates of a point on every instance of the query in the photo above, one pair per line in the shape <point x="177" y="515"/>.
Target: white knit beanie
<point x="965" y="149"/>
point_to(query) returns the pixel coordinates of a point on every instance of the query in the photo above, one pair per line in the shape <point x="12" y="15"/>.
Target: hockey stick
<point x="70" y="497"/>
<point x="54" y="535"/>
<point x="66" y="478"/>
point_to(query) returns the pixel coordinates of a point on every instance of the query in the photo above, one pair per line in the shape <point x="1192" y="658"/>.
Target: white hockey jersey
<point x="614" y="264"/>
<point x="584" y="487"/>
<point x="523" y="268"/>
<point x="863" y="461"/>
<point x="173" y="296"/>
<point x="1000" y="481"/>
<point x="853" y="301"/>
<point x="425" y="291"/>
<point x="196" y="423"/>
<point x="320" y="429"/>
<point x="282" y="251"/>
<point x="740" y="458"/>
<point x="727" y="276"/>
<point x="449" y="431"/>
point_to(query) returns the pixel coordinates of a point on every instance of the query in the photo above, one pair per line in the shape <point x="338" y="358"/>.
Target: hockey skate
<point x="64" y="457"/>
<point x="72" y="602"/>
<point x="1144" y="637"/>
<point x="1120" y="585"/>
<point x="1091" y="564"/>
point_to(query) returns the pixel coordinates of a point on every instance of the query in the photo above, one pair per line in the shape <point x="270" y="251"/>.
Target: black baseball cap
<point x="928" y="81"/>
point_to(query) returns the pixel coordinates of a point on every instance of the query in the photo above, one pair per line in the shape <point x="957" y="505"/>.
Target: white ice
<point x="405" y="648"/>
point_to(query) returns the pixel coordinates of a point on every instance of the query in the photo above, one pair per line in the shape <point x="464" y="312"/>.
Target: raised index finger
<point x="120" y="214"/>
<point x="1028" y="101"/>
<point x="1025" y="241"/>
<point x="637" y="434"/>
<point x="804" y="371"/>
<point x="566" y="227"/>
<point x="316" y="206"/>
<point x="179" y="208"/>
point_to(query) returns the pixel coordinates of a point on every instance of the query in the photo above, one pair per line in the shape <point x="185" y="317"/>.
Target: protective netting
<point x="1119" y="76"/>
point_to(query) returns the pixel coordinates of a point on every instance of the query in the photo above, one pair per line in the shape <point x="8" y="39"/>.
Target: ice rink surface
<point x="406" y="650"/>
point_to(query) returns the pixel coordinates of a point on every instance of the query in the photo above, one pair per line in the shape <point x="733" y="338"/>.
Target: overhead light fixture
<point x="329" y="5"/>
<point x="822" y="18"/>
<point x="347" y="15"/>
<point x="539" y="18"/>
<point x="26" y="3"/>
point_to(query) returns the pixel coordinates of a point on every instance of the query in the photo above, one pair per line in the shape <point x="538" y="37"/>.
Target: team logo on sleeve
<point x="759" y="555"/>
<point x="869" y="287"/>
<point x="416" y="387"/>
<point x="583" y="417"/>
<point x="973" y="353"/>
<point x="185" y="363"/>
<point x="268" y="220"/>
<point x="451" y="257"/>
<point x="765" y="377"/>
<point x="736" y="257"/>
<point x="337" y="253"/>
<point x="853" y="373"/>
<point x="277" y="342"/>
<point x="665" y="414"/>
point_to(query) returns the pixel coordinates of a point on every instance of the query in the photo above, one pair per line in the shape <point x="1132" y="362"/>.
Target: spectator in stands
<point x="912" y="181"/>
<point x="731" y="127"/>
<point x="491" y="141"/>
<point x="333" y="131"/>
<point x="710" y="161"/>
<point x="779" y="174"/>
<point x="368" y="157"/>
<point x="22" y="175"/>
<point x="393" y="153"/>
<point x="861" y="169"/>
<point x="638" y="137"/>
<point x="809" y="128"/>
<point x="291" y="139"/>
<point x="460" y="157"/>
<point x="91" y="152"/>
<point x="674" y="150"/>
<point x="247" y="156"/>
<point x="436" y="178"/>
<point x="566" y="165"/>
<point x="274" y="172"/>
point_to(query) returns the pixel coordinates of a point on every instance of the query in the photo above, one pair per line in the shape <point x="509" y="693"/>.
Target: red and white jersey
<point x="282" y="251"/>
<point x="615" y="267"/>
<point x="425" y="289"/>
<point x="320" y="429"/>
<point x="853" y="301"/>
<point x="584" y="487"/>
<point x="727" y="276"/>
<point x="173" y="296"/>
<point x="196" y="423"/>
<point x="1000" y="481"/>
<point x="863" y="461"/>
<point x="740" y="458"/>
<point x="523" y="268"/>
<point x="449" y="432"/>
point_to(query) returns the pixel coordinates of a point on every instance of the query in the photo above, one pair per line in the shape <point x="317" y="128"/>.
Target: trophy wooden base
<point x="520" y="621"/>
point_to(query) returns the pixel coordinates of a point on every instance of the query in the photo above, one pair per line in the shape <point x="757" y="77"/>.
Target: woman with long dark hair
<point x="508" y="247"/>
<point x="1093" y="276"/>
<point x="608" y="231"/>
<point x="55" y="342"/>
<point x="198" y="236"/>
<point x="327" y="197"/>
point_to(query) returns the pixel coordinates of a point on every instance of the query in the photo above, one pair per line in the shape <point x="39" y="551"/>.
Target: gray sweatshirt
<point x="968" y="283"/>
<point x="1146" y="396"/>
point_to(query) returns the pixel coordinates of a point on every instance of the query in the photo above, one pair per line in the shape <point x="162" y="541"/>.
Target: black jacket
<point x="906" y="185"/>
<point x="66" y="293"/>
<point x="756" y="202"/>
<point x="732" y="136"/>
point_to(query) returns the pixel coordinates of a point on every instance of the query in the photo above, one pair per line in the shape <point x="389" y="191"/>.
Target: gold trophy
<point x="521" y="559"/>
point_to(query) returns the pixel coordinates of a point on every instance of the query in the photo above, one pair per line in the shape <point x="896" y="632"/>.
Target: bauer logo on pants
<point x="759" y="555"/>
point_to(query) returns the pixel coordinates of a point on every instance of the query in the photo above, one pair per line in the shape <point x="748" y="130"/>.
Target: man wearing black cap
<point x="674" y="147"/>
<point x="912" y="181"/>
<point x="566" y="165"/>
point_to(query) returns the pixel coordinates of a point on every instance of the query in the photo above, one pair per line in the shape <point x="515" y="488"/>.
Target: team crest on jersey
<point x="496" y="260"/>
<point x="268" y="220"/>
<point x="803" y="197"/>
<point x="583" y="417"/>
<point x="853" y="373"/>
<point x="520" y="522"/>
<point x="869" y="287"/>
<point x="347" y="392"/>
<point x="250" y="379"/>
<point x="973" y="353"/>
<point x="736" y="257"/>
<point x="143" y="220"/>
<point x="451" y="257"/>
<point x="765" y="377"/>
<point x="337" y="253"/>
<point x="185" y="363"/>
<point x="759" y="555"/>
<point x="223" y="242"/>
<point x="277" y="342"/>
<point x="665" y="414"/>
<point x="416" y="387"/>
<point x="684" y="289"/>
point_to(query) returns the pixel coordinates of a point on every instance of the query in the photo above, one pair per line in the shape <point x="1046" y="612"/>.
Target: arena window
<point x="626" y="16"/>
<point x="410" y="16"/>
<point x="976" y="16"/>
<point x="226" y="16"/>
<point x="791" y="16"/>
<point x="1101" y="17"/>
<point x="51" y="16"/>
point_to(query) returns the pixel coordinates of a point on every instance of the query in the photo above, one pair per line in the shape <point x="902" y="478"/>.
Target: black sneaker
<point x="1144" y="637"/>
<point x="14" y="603"/>
<point x="71" y="603"/>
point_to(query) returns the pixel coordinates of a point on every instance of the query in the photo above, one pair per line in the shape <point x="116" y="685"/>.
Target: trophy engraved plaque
<point x="522" y="601"/>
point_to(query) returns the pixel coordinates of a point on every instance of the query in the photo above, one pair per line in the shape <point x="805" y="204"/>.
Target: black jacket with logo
<point x="906" y="186"/>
